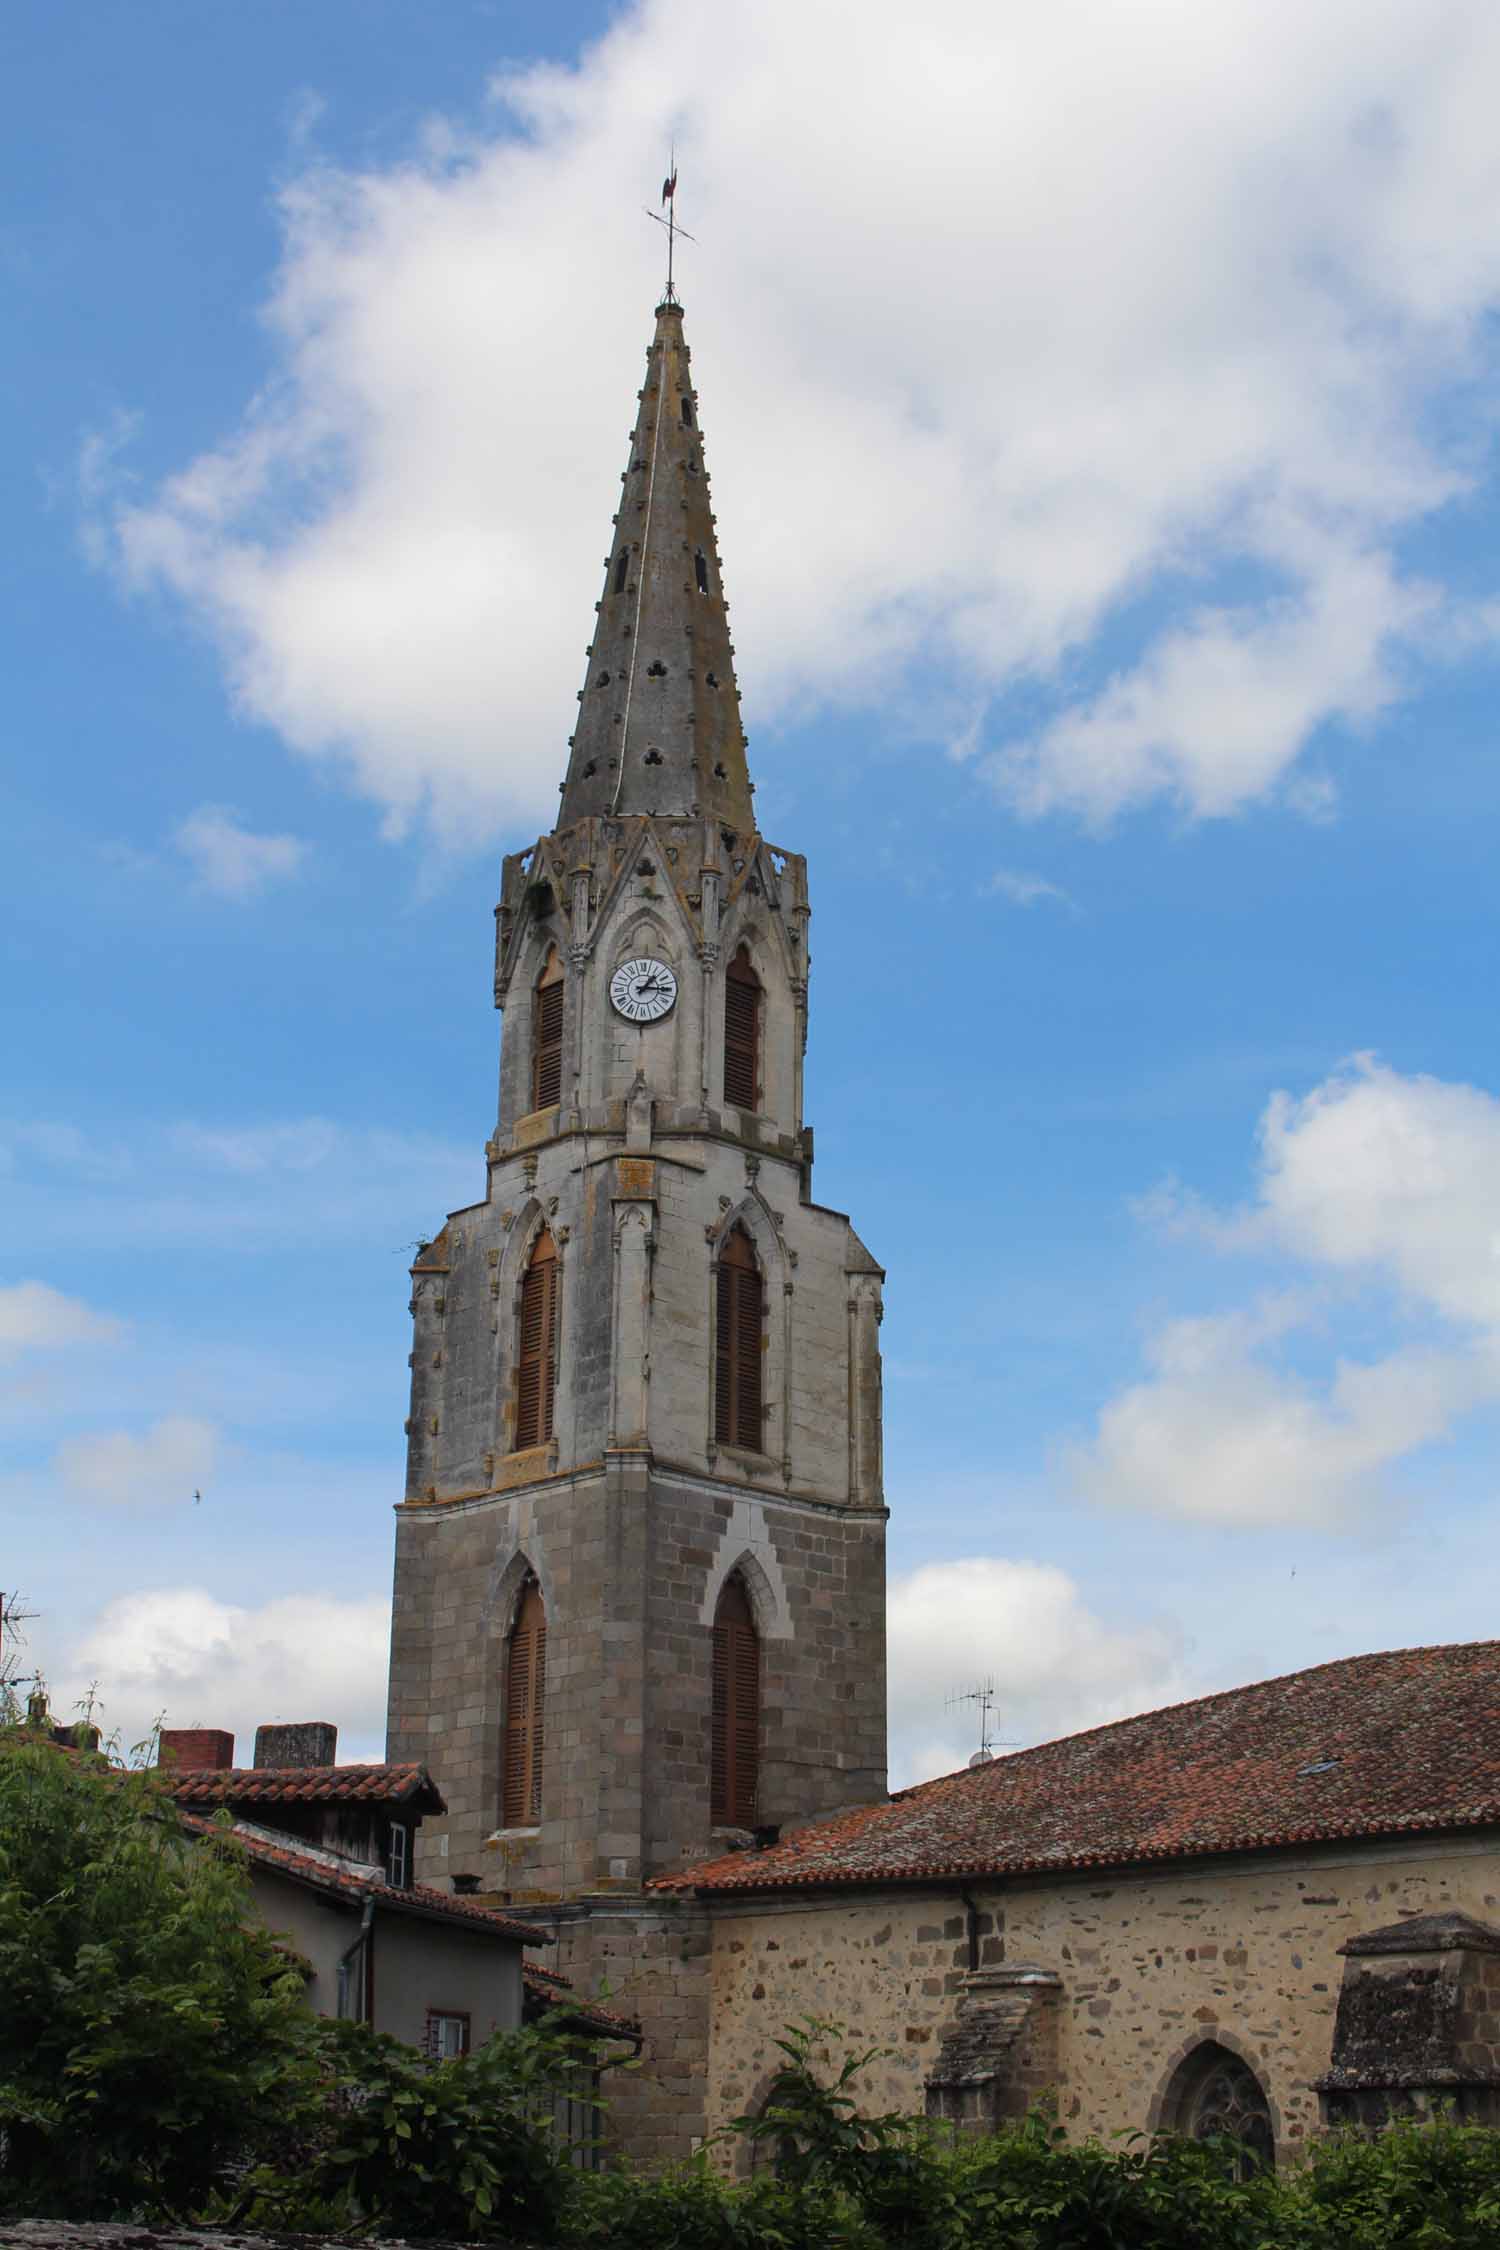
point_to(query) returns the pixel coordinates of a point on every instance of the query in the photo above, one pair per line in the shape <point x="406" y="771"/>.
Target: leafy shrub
<point x="1414" y="2187"/>
<point x="151" y="2035"/>
<point x="460" y="2149"/>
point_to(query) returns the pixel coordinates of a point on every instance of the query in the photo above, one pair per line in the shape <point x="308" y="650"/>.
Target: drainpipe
<point x="970" y="1905"/>
<point x="347" y="1959"/>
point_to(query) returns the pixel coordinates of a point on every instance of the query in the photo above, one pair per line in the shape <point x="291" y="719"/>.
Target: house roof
<point x="1385" y="1745"/>
<point x="350" y="1882"/>
<point x="553" y="1990"/>
<point x="412" y="1786"/>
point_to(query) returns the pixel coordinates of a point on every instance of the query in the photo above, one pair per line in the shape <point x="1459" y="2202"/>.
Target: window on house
<point x="735" y="1758"/>
<point x="536" y="1346"/>
<point x="741" y="1033"/>
<point x="525" y="1697"/>
<point x="547" y="1034"/>
<point x="398" y="1856"/>
<point x="447" y="2035"/>
<point x="737" y="1373"/>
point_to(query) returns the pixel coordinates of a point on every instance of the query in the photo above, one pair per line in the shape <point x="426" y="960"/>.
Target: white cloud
<point x="1376" y="1171"/>
<point x="180" y="1654"/>
<point x="231" y="859"/>
<point x="159" y="1467"/>
<point x="1055" y="1665"/>
<point x="1217" y="712"/>
<point x="1049" y="314"/>
<point x="1372" y="1178"/>
<point x="1023" y="889"/>
<point x="1220" y="1433"/>
<point x="190" y="1181"/>
<point x="36" y="1317"/>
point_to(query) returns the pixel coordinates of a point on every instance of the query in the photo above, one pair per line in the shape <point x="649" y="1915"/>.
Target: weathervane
<point x="669" y="197"/>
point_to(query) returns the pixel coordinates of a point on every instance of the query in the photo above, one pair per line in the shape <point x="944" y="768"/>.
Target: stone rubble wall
<point x="1243" y="1952"/>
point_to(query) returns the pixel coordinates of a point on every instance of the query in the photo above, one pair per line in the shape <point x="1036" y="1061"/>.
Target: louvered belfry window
<point x="547" y="1035"/>
<point x="536" y="1346"/>
<point x="735" y="1757"/>
<point x="741" y="1033"/>
<point x="738" y="1359"/>
<point x="525" y="1701"/>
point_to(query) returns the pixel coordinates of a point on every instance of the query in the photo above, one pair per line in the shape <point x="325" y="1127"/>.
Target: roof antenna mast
<point x="984" y="1696"/>
<point x="669" y="197"/>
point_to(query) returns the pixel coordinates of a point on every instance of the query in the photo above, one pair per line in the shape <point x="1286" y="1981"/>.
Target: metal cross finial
<point x="669" y="197"/>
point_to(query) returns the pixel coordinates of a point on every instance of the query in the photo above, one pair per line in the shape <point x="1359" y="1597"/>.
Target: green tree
<point x="458" y="2150"/>
<point x="151" y="2034"/>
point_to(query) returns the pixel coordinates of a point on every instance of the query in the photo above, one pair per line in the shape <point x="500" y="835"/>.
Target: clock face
<point x="642" y="990"/>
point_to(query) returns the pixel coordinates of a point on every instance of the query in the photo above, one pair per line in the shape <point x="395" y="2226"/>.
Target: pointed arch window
<point x="547" y="1034"/>
<point x="742" y="991"/>
<point x="622" y="564"/>
<point x="1215" y="2095"/>
<point x="735" y="1756"/>
<point x="737" y="1374"/>
<point x="525" y="1701"/>
<point x="536" y="1346"/>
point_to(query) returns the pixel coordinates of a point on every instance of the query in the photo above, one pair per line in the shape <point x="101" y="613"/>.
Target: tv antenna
<point x="669" y="197"/>
<point x="984" y="1696"/>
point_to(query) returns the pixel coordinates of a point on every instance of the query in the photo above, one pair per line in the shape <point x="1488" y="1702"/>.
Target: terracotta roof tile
<point x="307" y="1785"/>
<point x="325" y="1871"/>
<point x="1369" y="1746"/>
<point x="556" y="1991"/>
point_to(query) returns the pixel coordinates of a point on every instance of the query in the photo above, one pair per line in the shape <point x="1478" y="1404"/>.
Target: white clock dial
<point x="642" y="990"/>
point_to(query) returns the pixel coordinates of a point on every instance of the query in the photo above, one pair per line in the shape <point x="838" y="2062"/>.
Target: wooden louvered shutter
<point x="741" y="1033"/>
<point x="737" y="1393"/>
<point x="536" y="1346"/>
<point x="547" y="1035"/>
<point x="525" y="1713"/>
<point x="735" y="1757"/>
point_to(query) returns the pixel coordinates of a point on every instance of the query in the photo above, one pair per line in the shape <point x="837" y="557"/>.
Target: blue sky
<point x="1101" y="406"/>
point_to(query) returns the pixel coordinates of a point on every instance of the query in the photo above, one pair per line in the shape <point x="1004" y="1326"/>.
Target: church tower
<point x="640" y="1581"/>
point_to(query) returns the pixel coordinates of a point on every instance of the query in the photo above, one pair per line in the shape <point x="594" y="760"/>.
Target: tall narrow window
<point x="622" y="564"/>
<point x="741" y="1033"/>
<point x="735" y="1757"/>
<point x="525" y="1699"/>
<point x="737" y="1400"/>
<point x="536" y="1346"/>
<point x="547" y="1034"/>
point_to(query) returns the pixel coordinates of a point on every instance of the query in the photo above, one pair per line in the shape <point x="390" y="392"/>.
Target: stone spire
<point x="659" y="716"/>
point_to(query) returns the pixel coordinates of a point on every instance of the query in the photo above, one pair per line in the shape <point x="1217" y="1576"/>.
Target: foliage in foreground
<point x="150" y="2032"/>
<point x="457" y="2150"/>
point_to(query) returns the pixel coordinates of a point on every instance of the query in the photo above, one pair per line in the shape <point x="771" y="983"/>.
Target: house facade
<point x="330" y="1852"/>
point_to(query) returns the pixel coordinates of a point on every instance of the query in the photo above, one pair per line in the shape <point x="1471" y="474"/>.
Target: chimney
<point x="301" y="1742"/>
<point x="191" y="1749"/>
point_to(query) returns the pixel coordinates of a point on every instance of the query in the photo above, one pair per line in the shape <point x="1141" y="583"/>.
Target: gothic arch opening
<point x="739" y="1344"/>
<point x="524" y="1733"/>
<point x="536" y="1345"/>
<point x="742" y="1032"/>
<point x="547" y="1033"/>
<point x="1213" y="2094"/>
<point x="734" y="1760"/>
